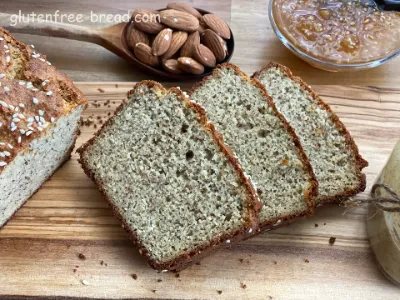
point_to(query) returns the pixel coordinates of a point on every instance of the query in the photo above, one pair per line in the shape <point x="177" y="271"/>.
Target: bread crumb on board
<point x="89" y="121"/>
<point x="96" y="104"/>
<point x="81" y="256"/>
<point x="134" y="276"/>
<point x="306" y="261"/>
<point x="243" y="285"/>
<point x="101" y="90"/>
<point x="219" y="292"/>
<point x="332" y="241"/>
<point x="85" y="282"/>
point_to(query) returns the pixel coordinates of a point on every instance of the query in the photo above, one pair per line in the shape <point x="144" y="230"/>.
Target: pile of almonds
<point x="180" y="39"/>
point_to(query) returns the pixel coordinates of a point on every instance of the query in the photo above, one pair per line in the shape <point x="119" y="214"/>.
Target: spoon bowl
<point x="159" y="72"/>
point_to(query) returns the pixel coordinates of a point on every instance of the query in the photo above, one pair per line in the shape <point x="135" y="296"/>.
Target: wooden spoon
<point x="112" y="38"/>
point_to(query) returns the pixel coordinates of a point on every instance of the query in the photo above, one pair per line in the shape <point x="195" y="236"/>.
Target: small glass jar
<point x="384" y="227"/>
<point x="319" y="61"/>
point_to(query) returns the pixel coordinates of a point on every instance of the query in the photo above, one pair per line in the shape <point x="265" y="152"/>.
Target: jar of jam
<point x="337" y="35"/>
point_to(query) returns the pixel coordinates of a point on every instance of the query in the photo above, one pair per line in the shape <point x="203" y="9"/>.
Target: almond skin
<point x="144" y="54"/>
<point x="153" y="26"/>
<point x="218" y="25"/>
<point x="179" y="20"/>
<point x="205" y="56"/>
<point x="184" y="7"/>
<point x="136" y="36"/>
<point x="192" y="42"/>
<point x="202" y="26"/>
<point x="216" y="44"/>
<point x="171" y="66"/>
<point x="162" y="42"/>
<point x="178" y="39"/>
<point x="189" y="65"/>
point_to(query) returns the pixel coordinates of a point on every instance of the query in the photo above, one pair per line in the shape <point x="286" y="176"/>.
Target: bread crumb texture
<point x="167" y="178"/>
<point x="259" y="139"/>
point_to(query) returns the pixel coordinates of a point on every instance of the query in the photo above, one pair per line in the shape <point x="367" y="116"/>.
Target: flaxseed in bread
<point x="40" y="110"/>
<point x="332" y="152"/>
<point x="266" y="146"/>
<point x="175" y="186"/>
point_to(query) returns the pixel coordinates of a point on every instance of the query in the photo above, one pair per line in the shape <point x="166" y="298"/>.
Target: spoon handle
<point x="54" y="29"/>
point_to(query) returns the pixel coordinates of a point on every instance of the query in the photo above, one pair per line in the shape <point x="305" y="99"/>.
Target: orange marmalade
<point x="338" y="31"/>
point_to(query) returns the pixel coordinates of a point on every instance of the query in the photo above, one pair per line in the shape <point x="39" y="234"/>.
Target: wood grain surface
<point x="256" y="43"/>
<point x="40" y="246"/>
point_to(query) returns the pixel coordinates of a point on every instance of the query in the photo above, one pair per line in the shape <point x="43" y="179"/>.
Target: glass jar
<point x="384" y="227"/>
<point x="338" y="35"/>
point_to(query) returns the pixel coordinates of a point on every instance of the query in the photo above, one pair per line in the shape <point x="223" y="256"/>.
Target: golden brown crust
<point x="360" y="162"/>
<point x="312" y="191"/>
<point x="33" y="94"/>
<point x="189" y="257"/>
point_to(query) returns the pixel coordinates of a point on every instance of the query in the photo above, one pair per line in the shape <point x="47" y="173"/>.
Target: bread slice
<point x="332" y="152"/>
<point x="265" y="144"/>
<point x="175" y="186"/>
<point x="40" y="110"/>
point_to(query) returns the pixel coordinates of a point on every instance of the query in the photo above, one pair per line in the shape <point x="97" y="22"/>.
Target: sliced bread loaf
<point x="266" y="146"/>
<point x="332" y="152"/>
<point x="175" y="186"/>
<point x="40" y="110"/>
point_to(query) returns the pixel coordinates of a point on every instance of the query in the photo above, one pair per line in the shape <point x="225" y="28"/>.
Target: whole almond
<point x="171" y="66"/>
<point x="205" y="56"/>
<point x="136" y="36"/>
<point x="189" y="65"/>
<point x="178" y="39"/>
<point x="202" y="26"/>
<point x="184" y="7"/>
<point x="144" y="54"/>
<point x="192" y="41"/>
<point x="216" y="44"/>
<point x="179" y="20"/>
<point x="162" y="42"/>
<point x="218" y="25"/>
<point x="147" y="21"/>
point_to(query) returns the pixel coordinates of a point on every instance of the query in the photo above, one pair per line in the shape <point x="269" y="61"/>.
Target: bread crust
<point x="352" y="147"/>
<point x="63" y="99"/>
<point x="187" y="258"/>
<point x="312" y="190"/>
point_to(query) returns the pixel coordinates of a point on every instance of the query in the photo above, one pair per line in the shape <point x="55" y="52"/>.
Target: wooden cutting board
<point x="40" y="246"/>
